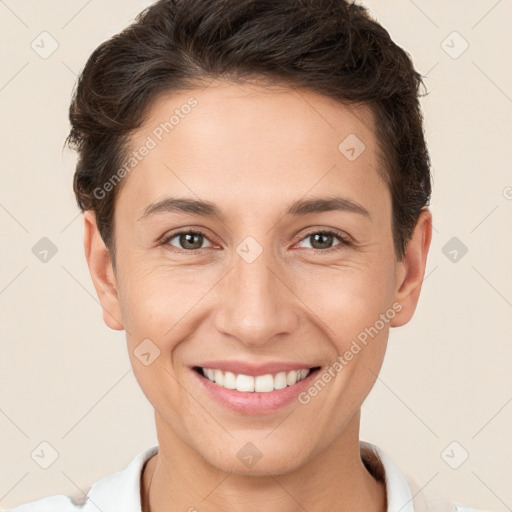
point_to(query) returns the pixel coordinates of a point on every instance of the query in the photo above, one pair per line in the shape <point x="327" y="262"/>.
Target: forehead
<point x="257" y="142"/>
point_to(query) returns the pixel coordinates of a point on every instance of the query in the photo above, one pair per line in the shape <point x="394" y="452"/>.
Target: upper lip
<point x="254" y="369"/>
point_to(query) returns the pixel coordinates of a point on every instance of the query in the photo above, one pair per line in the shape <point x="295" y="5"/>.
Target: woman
<point x="255" y="185"/>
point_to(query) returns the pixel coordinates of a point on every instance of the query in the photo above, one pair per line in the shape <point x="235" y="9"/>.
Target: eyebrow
<point x="300" y="207"/>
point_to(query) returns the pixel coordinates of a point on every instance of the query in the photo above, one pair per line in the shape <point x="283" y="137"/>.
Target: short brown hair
<point x="332" y="47"/>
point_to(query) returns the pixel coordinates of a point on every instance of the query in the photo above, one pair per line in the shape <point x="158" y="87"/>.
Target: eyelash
<point x="344" y="241"/>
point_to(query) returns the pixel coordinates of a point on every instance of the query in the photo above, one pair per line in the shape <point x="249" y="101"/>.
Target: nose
<point x="256" y="304"/>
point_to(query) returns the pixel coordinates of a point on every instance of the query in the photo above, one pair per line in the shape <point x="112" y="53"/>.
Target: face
<point x="289" y="265"/>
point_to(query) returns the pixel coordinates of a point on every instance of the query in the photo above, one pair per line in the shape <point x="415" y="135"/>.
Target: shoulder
<point x="59" y="503"/>
<point x="115" y="492"/>
<point x="403" y="493"/>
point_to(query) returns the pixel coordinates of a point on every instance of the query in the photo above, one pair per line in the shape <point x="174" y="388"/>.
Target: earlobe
<point x="102" y="274"/>
<point x="411" y="270"/>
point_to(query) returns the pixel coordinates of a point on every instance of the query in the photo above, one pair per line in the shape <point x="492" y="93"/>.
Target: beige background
<point x="66" y="378"/>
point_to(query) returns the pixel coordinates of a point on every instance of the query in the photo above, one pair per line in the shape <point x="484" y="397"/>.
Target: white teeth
<point x="229" y="380"/>
<point x="219" y="377"/>
<point x="260" y="384"/>
<point x="302" y="374"/>
<point x="291" y="378"/>
<point x="264" y="383"/>
<point x="243" y="383"/>
<point x="280" y="380"/>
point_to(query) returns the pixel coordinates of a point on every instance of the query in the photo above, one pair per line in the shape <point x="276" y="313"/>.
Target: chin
<point x="258" y="458"/>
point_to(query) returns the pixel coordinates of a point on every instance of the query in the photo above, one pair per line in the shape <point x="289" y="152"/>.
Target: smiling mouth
<point x="254" y="384"/>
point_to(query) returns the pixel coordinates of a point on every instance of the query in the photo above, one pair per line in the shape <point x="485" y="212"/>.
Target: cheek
<point x="158" y="301"/>
<point x="347" y="300"/>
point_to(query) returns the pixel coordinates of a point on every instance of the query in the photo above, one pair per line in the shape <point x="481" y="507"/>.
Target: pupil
<point x="186" y="243"/>
<point x="325" y="235"/>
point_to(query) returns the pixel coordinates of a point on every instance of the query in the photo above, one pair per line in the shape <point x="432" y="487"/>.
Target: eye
<point x="187" y="240"/>
<point x="192" y="241"/>
<point x="322" y="240"/>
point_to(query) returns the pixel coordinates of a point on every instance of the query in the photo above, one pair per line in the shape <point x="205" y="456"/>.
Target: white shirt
<point x="120" y="492"/>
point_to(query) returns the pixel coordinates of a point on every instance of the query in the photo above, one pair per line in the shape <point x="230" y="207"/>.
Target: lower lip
<point x="253" y="402"/>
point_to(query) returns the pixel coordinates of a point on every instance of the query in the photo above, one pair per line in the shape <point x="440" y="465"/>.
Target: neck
<point x="177" y="478"/>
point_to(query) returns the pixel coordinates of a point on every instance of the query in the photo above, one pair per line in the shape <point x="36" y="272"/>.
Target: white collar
<point x="121" y="490"/>
<point x="398" y="492"/>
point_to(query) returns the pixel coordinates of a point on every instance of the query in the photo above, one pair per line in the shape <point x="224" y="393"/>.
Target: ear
<point x="411" y="270"/>
<point x="102" y="273"/>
